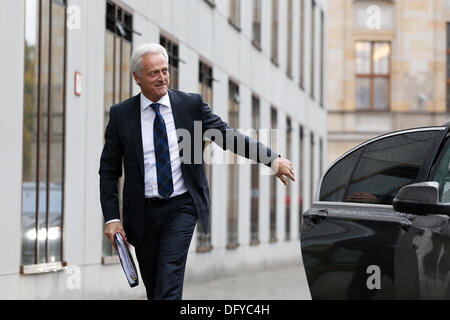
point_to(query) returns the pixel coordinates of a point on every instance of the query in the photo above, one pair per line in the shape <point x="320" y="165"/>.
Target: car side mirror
<point x="420" y="199"/>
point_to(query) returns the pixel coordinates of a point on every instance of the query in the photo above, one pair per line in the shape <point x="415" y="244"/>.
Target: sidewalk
<point x="286" y="283"/>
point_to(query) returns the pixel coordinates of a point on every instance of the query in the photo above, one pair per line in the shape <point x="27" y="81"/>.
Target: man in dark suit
<point x="165" y="189"/>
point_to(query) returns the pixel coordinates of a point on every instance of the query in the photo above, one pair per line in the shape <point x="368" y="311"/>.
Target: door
<point x="350" y="235"/>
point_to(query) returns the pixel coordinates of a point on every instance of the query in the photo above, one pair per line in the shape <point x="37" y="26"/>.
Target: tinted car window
<point x="336" y="181"/>
<point x="389" y="164"/>
<point x="375" y="173"/>
<point x="442" y="173"/>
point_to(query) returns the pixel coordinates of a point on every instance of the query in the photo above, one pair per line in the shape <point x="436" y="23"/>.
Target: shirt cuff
<point x="113" y="220"/>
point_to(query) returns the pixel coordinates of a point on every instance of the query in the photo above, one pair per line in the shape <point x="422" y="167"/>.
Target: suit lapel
<point x="136" y="131"/>
<point x="176" y="109"/>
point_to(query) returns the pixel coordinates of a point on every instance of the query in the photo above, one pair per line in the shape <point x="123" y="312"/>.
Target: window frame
<point x="373" y="76"/>
<point x="45" y="267"/>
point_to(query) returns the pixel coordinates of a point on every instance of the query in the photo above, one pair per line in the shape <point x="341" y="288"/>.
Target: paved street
<point x="286" y="283"/>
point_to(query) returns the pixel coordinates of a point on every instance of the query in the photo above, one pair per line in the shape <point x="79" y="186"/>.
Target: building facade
<point x="259" y="64"/>
<point x="388" y="68"/>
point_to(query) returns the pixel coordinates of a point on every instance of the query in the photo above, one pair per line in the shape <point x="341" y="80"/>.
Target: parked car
<point x="379" y="226"/>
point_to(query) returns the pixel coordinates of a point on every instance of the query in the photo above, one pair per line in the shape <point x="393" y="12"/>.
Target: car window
<point x="442" y="173"/>
<point x="336" y="181"/>
<point x="383" y="168"/>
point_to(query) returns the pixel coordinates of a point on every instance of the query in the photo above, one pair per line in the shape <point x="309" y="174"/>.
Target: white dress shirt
<point x="147" y="119"/>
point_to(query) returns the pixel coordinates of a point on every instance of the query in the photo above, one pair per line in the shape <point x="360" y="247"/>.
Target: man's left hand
<point x="283" y="168"/>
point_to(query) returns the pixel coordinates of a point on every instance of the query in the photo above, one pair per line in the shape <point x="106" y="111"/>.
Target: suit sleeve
<point x="111" y="170"/>
<point x="233" y="140"/>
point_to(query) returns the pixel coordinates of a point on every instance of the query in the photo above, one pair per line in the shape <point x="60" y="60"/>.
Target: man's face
<point x="154" y="80"/>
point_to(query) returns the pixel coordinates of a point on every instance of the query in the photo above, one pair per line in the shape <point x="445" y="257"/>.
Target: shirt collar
<point x="146" y="102"/>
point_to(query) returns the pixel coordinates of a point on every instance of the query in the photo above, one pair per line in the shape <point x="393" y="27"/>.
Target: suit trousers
<point x="162" y="254"/>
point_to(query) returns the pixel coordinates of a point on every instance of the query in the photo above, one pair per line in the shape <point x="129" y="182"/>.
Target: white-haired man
<point x="165" y="191"/>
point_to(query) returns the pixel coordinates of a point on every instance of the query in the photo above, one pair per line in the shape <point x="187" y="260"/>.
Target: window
<point x="254" y="194"/>
<point x="233" y="179"/>
<point x="273" y="182"/>
<point x="206" y="90"/>
<point x="375" y="172"/>
<point x="274" y="52"/>
<point x="43" y="133"/>
<point x="118" y="49"/>
<point x="442" y="173"/>
<point x="312" y="167"/>
<point x="288" y="188"/>
<point x="300" y="179"/>
<point x="322" y="58"/>
<point x="448" y="67"/>
<point x="372" y="75"/>
<point x="235" y="13"/>
<point x="313" y="48"/>
<point x="257" y="12"/>
<point x="174" y="60"/>
<point x="302" y="43"/>
<point x="290" y="12"/>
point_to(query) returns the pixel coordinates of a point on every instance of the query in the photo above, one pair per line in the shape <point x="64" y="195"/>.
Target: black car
<point x="379" y="226"/>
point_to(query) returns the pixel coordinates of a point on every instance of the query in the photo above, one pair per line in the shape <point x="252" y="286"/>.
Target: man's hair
<point x="141" y="51"/>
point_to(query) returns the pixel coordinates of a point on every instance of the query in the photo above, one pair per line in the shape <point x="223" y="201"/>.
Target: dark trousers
<point x="163" y="252"/>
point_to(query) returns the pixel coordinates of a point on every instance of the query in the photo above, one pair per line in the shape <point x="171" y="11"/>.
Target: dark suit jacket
<point x="123" y="145"/>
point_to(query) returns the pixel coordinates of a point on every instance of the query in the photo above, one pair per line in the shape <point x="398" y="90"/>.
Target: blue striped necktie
<point x="162" y="154"/>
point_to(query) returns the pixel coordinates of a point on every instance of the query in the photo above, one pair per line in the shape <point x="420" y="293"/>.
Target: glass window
<point x="206" y="90"/>
<point x="299" y="178"/>
<point x="380" y="169"/>
<point x="302" y="42"/>
<point x="322" y="58"/>
<point x="290" y="12"/>
<point x="235" y="13"/>
<point x="233" y="179"/>
<point x="273" y="182"/>
<point x="312" y="167"/>
<point x="254" y="194"/>
<point x="43" y="132"/>
<point x="372" y="75"/>
<point x="274" y="51"/>
<point x="174" y="60"/>
<point x="118" y="84"/>
<point x="313" y="47"/>
<point x="257" y="12"/>
<point x="442" y="173"/>
<point x="288" y="188"/>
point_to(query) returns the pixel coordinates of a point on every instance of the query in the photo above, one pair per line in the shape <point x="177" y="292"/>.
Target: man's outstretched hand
<point x="283" y="168"/>
<point x="111" y="229"/>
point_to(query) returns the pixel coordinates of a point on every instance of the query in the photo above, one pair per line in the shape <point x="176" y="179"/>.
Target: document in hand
<point x="127" y="261"/>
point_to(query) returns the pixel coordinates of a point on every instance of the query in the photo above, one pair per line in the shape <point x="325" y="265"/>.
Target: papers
<point x="127" y="261"/>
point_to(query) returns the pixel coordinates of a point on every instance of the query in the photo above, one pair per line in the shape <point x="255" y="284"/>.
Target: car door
<point x="350" y="234"/>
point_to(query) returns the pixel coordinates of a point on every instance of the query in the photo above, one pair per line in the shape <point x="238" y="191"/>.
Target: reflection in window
<point x="118" y="48"/>
<point x="273" y="182"/>
<point x="174" y="60"/>
<point x="206" y="90"/>
<point x="372" y="75"/>
<point x="233" y="181"/>
<point x="254" y="194"/>
<point x="43" y="132"/>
